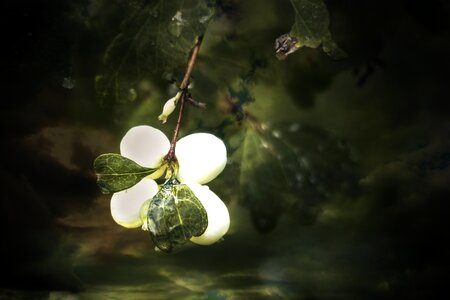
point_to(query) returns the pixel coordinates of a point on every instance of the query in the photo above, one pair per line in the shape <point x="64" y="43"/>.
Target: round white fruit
<point x="218" y="216"/>
<point x="126" y="204"/>
<point x="145" y="145"/>
<point x="201" y="157"/>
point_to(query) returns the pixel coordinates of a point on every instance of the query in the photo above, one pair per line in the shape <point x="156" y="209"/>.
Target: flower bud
<point x="169" y="107"/>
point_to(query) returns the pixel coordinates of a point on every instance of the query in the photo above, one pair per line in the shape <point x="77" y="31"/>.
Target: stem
<point x="184" y="89"/>
<point x="190" y="66"/>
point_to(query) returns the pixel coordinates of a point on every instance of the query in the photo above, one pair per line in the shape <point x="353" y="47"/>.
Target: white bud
<point x="169" y="107"/>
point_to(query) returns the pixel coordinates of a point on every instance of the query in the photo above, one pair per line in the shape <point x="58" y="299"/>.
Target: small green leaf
<point x="310" y="29"/>
<point x="116" y="173"/>
<point x="175" y="215"/>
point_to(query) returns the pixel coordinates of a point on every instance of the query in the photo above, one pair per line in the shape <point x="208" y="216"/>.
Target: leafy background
<point x="343" y="166"/>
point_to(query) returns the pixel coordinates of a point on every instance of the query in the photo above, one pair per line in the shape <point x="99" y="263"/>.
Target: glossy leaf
<point x="116" y="173"/>
<point x="175" y="215"/>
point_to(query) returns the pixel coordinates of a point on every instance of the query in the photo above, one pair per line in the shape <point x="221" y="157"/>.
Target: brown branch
<point x="197" y="104"/>
<point x="190" y="66"/>
<point x="184" y="88"/>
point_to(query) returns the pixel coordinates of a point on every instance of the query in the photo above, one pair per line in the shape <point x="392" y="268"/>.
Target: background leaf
<point x="310" y="29"/>
<point x="283" y="171"/>
<point x="116" y="173"/>
<point x="155" y="37"/>
<point x="175" y="215"/>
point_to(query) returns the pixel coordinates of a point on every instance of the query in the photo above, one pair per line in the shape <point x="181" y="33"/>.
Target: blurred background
<point x="338" y="175"/>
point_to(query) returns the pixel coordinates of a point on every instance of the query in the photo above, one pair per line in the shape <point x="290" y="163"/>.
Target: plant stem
<point x="184" y="89"/>
<point x="190" y="66"/>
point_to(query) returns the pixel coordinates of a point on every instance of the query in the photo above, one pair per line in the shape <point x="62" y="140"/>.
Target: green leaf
<point x="290" y="168"/>
<point x="310" y="29"/>
<point x="263" y="181"/>
<point x="116" y="173"/>
<point x="155" y="38"/>
<point x="175" y="215"/>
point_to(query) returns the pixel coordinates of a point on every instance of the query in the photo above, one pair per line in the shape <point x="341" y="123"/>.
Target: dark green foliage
<point x="310" y="29"/>
<point x="155" y="37"/>
<point x="284" y="170"/>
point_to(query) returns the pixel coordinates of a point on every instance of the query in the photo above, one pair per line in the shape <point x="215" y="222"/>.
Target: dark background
<point x="382" y="236"/>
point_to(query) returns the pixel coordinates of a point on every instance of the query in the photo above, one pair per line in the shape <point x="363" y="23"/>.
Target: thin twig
<point x="184" y="89"/>
<point x="190" y="66"/>
<point x="197" y="104"/>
